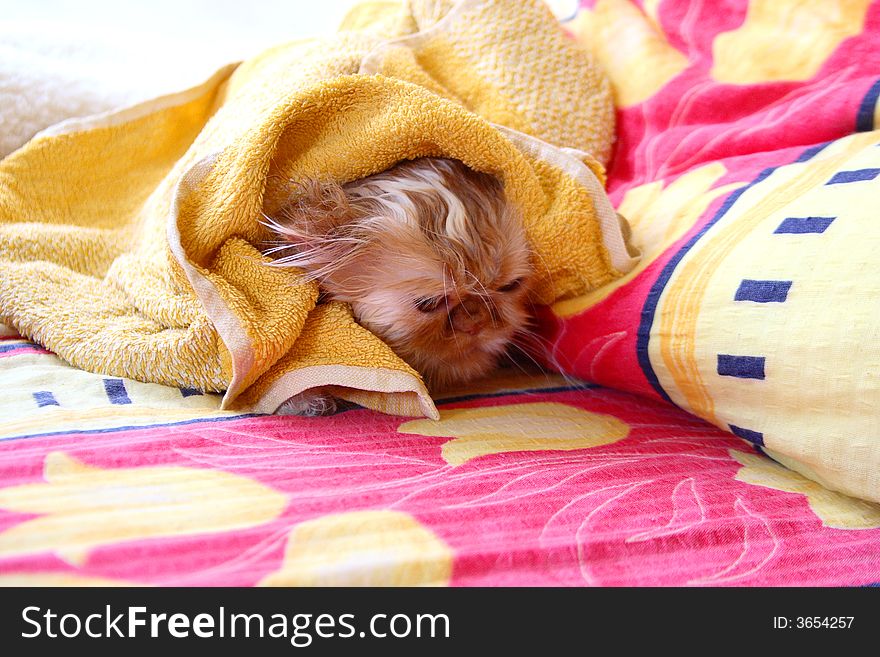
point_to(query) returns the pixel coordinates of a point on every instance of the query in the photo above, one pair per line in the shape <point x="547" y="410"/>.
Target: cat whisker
<point x="525" y="353"/>
<point x="518" y="366"/>
<point x="529" y="338"/>
<point x="276" y="249"/>
<point x="546" y="348"/>
<point x="546" y="266"/>
<point x="448" y="312"/>
<point x="486" y="298"/>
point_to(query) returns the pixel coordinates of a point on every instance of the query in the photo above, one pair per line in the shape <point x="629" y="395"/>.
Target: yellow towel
<point x="129" y="242"/>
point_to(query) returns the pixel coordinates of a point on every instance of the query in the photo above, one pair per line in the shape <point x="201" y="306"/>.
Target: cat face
<point x="431" y="257"/>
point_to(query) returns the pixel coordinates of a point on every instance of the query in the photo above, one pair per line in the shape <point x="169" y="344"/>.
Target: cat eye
<point x="428" y="304"/>
<point x="510" y="287"/>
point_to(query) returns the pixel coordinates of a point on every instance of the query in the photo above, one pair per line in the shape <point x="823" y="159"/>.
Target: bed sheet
<point x="527" y="479"/>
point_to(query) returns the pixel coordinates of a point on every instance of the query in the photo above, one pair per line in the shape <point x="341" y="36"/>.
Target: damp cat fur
<point x="431" y="256"/>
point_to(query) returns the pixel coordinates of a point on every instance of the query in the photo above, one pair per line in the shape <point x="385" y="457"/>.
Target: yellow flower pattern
<point x="363" y="548"/>
<point x="81" y="507"/>
<point x="833" y="509"/>
<point x="518" y="428"/>
<point x="622" y="38"/>
<point x="755" y="53"/>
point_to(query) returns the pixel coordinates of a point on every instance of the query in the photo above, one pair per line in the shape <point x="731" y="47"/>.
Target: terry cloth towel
<point x="130" y="241"/>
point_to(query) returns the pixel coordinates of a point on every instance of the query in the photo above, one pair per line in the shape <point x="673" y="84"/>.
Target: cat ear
<point x="316" y="210"/>
<point x="314" y="230"/>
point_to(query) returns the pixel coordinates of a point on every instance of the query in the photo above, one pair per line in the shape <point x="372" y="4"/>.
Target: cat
<point x="430" y="255"/>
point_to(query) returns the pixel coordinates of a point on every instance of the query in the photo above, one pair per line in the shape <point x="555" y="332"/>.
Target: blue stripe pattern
<point x="801" y="225"/>
<point x="858" y="175"/>
<point x="812" y="152"/>
<point x="116" y="392"/>
<point x="506" y="393"/>
<point x="762" y="291"/>
<point x="791" y="225"/>
<point x="755" y="437"/>
<point x="129" y="427"/>
<point x="650" y="308"/>
<point x="865" y="117"/>
<point x="45" y="398"/>
<point x="741" y="367"/>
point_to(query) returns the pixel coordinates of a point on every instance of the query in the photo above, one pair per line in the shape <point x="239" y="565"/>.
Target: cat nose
<point x="470" y="316"/>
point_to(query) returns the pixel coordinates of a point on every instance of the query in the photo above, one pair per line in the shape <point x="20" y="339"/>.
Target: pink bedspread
<point x="555" y="485"/>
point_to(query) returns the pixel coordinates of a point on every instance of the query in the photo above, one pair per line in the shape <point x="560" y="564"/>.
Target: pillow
<point x="757" y="302"/>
